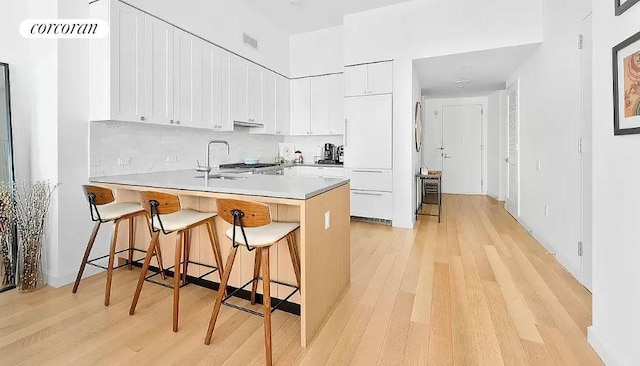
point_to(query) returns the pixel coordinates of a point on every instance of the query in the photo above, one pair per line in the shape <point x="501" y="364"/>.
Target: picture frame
<point x="417" y="127"/>
<point x="626" y="86"/>
<point x="624" y="5"/>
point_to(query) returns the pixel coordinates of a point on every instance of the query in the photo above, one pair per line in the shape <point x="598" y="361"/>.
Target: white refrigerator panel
<point x="368" y="135"/>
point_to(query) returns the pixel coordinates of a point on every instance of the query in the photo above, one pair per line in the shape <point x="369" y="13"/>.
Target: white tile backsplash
<point x="149" y="146"/>
<point x="308" y="144"/>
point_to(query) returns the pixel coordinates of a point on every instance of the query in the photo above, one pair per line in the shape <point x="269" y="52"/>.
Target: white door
<point x="462" y="154"/>
<point x="159" y="71"/>
<point x="513" y="151"/>
<point x="320" y="105"/>
<point x="127" y="58"/>
<point x="587" y="156"/>
<point x="337" y="105"/>
<point x="368" y="132"/>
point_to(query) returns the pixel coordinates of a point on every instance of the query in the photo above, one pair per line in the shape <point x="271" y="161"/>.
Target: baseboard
<point x="602" y="351"/>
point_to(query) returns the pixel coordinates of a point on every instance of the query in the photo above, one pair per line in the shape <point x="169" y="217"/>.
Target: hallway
<point x="475" y="289"/>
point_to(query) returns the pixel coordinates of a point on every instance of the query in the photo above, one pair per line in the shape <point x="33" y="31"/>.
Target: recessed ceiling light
<point x="466" y="67"/>
<point x="461" y="83"/>
<point x="295" y="2"/>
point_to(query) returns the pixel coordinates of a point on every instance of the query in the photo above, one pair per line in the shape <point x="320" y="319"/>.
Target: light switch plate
<point x="327" y="220"/>
<point x="124" y="161"/>
<point x="172" y="159"/>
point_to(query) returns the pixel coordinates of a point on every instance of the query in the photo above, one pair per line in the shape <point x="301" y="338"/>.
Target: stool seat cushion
<point x="263" y="235"/>
<point x="113" y="211"/>
<point x="182" y="219"/>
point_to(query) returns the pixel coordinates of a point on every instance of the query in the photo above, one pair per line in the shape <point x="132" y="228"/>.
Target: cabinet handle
<point x="368" y="171"/>
<point x="367" y="194"/>
<point x="171" y="121"/>
<point x="142" y="118"/>
<point x="345" y="132"/>
<point x="178" y="122"/>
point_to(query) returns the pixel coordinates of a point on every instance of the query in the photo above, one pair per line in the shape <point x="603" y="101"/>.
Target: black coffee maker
<point x="329" y="152"/>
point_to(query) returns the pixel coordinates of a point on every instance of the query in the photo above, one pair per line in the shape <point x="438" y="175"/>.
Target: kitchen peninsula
<point x="321" y="205"/>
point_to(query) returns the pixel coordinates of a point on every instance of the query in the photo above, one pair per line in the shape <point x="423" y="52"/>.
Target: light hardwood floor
<point x="475" y="289"/>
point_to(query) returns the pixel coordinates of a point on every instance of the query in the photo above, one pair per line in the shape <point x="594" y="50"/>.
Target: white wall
<point x="496" y="145"/>
<point x="318" y="52"/>
<point x="420" y="29"/>
<point x="416" y="157"/>
<point x="432" y="134"/>
<point x="616" y="212"/>
<point x="550" y="125"/>
<point x="223" y="22"/>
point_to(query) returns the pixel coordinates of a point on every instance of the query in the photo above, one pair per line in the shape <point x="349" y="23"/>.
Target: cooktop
<point x="247" y="166"/>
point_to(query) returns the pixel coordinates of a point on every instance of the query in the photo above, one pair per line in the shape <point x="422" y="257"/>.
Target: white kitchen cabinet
<point x="369" y="79"/>
<point x="239" y="84"/>
<point x="300" y="106"/>
<point x="320" y="171"/>
<point x="269" y="104"/>
<point x="188" y="76"/>
<point x="159" y="83"/>
<point x="368" y="132"/>
<point x="117" y="76"/>
<point x="283" y="113"/>
<point x="320" y="105"/>
<point x="371" y="204"/>
<point x="254" y="93"/>
<point x="215" y="89"/>
<point x="370" y="179"/>
<point x="337" y="105"/>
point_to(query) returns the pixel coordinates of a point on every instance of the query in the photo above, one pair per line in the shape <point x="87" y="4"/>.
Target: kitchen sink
<point x="223" y="177"/>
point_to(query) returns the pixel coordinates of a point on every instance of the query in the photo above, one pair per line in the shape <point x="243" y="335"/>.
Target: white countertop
<point x="278" y="186"/>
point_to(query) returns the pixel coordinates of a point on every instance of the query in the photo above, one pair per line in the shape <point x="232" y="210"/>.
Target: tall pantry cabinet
<point x="368" y="139"/>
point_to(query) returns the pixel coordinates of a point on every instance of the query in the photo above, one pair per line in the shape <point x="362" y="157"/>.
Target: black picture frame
<point x="11" y="172"/>
<point x="616" y="87"/>
<point x="621" y="8"/>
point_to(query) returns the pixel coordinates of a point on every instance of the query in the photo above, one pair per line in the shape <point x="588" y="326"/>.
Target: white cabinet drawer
<point x="371" y="204"/>
<point x="312" y="171"/>
<point x="371" y="179"/>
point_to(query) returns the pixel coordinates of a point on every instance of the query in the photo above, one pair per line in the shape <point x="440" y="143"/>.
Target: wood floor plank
<point x="440" y="338"/>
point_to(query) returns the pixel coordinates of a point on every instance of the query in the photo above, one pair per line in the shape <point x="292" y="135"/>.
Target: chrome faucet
<point x="207" y="167"/>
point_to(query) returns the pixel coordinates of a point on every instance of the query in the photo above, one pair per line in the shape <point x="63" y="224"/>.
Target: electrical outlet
<point x="172" y="159"/>
<point x="327" y="220"/>
<point x="124" y="161"/>
<point x="546" y="210"/>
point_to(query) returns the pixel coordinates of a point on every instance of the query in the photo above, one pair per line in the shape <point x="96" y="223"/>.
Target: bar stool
<point x="104" y="209"/>
<point x="253" y="228"/>
<point x="167" y="216"/>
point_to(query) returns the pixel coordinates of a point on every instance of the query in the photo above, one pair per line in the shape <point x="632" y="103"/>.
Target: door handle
<point x="506" y="160"/>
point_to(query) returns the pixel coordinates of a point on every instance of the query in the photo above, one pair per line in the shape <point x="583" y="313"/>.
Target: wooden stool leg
<point x="185" y="263"/>
<point x="131" y="243"/>
<point x="295" y="257"/>
<point x="112" y="255"/>
<point x="87" y="251"/>
<point x="145" y="268"/>
<point x="266" y="291"/>
<point x="176" y="280"/>
<point x="223" y="284"/>
<point x="256" y="273"/>
<point x="157" y="247"/>
<point x="213" y="238"/>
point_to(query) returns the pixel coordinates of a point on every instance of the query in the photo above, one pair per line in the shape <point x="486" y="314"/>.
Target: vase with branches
<point x="7" y="221"/>
<point x="31" y="208"/>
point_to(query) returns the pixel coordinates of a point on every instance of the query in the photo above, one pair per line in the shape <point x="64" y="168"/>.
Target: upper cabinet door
<point x="320" y="105"/>
<point x="128" y="63"/>
<point x="282" y="106"/>
<point x="268" y="104"/>
<point x="188" y="75"/>
<point x="254" y="93"/>
<point x="301" y="106"/>
<point x="337" y="105"/>
<point x="239" y="80"/>
<point x="355" y="81"/>
<point x="380" y="78"/>
<point x="159" y="71"/>
<point x="215" y="89"/>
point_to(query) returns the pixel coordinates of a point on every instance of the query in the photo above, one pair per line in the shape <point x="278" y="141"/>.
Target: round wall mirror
<point x="418" y="126"/>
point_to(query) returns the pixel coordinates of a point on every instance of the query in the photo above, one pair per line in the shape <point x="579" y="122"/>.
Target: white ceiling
<point x="313" y="14"/>
<point x="488" y="71"/>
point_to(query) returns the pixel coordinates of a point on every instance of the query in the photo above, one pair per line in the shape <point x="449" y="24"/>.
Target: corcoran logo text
<point x="64" y="28"/>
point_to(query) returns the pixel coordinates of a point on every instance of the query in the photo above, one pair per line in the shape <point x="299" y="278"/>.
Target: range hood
<point x="247" y="124"/>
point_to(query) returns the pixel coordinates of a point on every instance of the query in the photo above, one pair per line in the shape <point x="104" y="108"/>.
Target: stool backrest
<point x="254" y="214"/>
<point x="167" y="203"/>
<point x="98" y="195"/>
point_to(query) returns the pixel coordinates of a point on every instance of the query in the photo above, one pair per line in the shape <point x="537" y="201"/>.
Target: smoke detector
<point x="461" y="83"/>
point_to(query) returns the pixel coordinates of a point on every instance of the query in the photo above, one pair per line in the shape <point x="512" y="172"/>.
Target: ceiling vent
<point x="250" y="41"/>
<point x="461" y="83"/>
